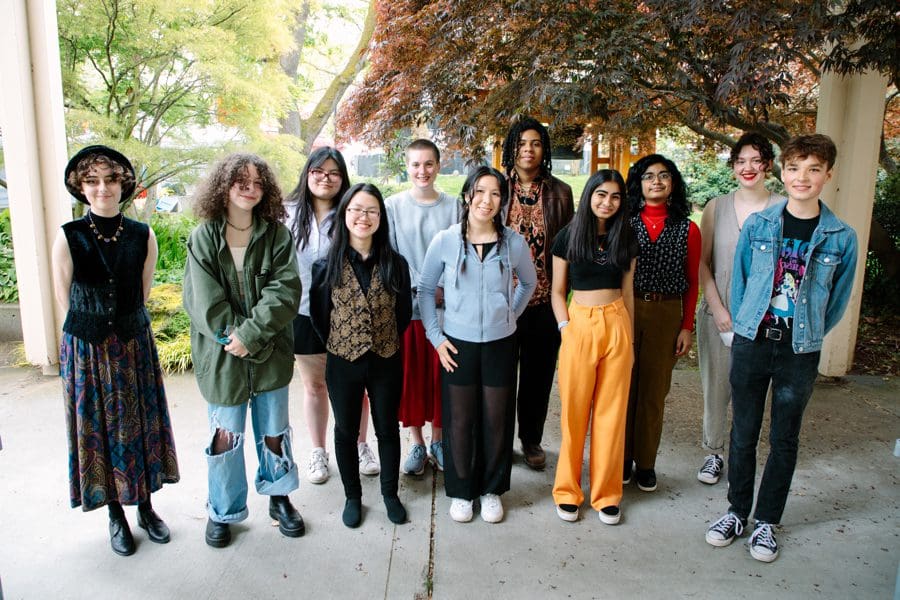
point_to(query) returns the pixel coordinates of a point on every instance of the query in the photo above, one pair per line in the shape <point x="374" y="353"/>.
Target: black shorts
<point x="306" y="340"/>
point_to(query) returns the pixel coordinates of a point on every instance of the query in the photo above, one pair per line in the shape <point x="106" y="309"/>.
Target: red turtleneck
<point x="654" y="218"/>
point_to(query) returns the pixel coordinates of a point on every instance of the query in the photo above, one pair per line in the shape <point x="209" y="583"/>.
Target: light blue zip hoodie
<point x="481" y="302"/>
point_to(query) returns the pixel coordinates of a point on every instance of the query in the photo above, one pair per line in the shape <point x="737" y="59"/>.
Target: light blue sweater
<point x="482" y="301"/>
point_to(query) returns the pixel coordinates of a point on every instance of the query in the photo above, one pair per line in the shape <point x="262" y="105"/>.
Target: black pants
<point x="478" y="411"/>
<point x="538" y="348"/>
<point x="347" y="381"/>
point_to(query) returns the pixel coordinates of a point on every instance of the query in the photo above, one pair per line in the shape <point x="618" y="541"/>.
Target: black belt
<point x="773" y="334"/>
<point x="655" y="296"/>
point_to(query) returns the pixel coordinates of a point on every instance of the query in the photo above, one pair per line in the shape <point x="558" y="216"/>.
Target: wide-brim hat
<point x="113" y="155"/>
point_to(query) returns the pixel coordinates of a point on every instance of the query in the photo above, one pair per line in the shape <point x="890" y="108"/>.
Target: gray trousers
<point x="715" y="365"/>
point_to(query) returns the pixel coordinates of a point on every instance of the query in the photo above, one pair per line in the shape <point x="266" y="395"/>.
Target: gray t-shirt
<point x="413" y="225"/>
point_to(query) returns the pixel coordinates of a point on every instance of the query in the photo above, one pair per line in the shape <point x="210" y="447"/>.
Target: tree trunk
<point x="290" y="123"/>
<point x="312" y="127"/>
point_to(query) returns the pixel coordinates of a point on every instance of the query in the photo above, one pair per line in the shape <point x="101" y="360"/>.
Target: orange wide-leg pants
<point x="595" y="362"/>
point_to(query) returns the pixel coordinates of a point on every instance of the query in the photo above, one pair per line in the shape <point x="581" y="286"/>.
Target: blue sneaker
<point x="415" y="460"/>
<point x="437" y="454"/>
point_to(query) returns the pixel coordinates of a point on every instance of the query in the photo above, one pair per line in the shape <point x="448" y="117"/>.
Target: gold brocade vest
<point x="362" y="322"/>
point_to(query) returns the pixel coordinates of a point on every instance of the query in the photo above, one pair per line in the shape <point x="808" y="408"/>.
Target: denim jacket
<point x="482" y="302"/>
<point x="824" y="290"/>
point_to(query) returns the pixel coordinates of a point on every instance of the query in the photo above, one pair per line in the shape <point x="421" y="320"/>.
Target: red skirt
<point x="421" y="398"/>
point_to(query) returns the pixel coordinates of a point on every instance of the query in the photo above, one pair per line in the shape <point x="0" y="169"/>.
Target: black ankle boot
<point x="156" y="528"/>
<point x="120" y="538"/>
<point x="218" y="535"/>
<point x="290" y="523"/>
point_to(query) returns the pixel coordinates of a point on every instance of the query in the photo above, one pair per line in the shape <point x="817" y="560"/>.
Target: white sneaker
<point x="368" y="465"/>
<point x="491" y="508"/>
<point x="317" y="467"/>
<point x="461" y="510"/>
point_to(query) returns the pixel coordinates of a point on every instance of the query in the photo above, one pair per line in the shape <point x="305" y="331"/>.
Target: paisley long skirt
<point x="121" y="446"/>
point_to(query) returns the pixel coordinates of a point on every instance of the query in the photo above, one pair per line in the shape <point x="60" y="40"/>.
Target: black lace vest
<point x="661" y="264"/>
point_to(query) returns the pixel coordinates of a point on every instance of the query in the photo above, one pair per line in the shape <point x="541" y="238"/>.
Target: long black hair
<point x="468" y="192"/>
<point x="678" y="204"/>
<point x="303" y="212"/>
<point x="390" y="265"/>
<point x="511" y="145"/>
<point x="621" y="243"/>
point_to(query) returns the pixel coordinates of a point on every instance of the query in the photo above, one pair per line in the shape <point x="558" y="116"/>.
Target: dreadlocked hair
<point x="212" y="195"/>
<point x="390" y="265"/>
<point x="303" y="211"/>
<point x="621" y="242"/>
<point x="678" y="204"/>
<point x="468" y="192"/>
<point x="511" y="144"/>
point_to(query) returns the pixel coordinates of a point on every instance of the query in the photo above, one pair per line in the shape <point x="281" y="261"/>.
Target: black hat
<point x="113" y="155"/>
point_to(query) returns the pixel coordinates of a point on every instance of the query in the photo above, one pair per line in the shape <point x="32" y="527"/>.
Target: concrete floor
<point x="839" y="537"/>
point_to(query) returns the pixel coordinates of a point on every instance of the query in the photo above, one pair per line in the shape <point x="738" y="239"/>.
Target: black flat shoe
<point x="218" y="535"/>
<point x="395" y="511"/>
<point x="157" y="530"/>
<point x="290" y="523"/>
<point x="120" y="537"/>
<point x="352" y="515"/>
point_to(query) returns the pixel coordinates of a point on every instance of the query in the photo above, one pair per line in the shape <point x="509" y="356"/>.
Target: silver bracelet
<point x="561" y="324"/>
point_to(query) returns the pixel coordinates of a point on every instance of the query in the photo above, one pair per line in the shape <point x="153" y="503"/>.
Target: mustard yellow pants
<point x="595" y="362"/>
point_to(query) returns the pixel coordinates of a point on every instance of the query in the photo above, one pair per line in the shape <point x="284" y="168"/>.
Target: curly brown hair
<point x="212" y="195"/>
<point x="84" y="166"/>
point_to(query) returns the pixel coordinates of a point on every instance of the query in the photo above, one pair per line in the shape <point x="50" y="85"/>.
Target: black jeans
<point x="538" y="347"/>
<point x="347" y="381"/>
<point x="753" y="364"/>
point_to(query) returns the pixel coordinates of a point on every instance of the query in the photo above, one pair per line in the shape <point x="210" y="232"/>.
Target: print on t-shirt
<point x="789" y="273"/>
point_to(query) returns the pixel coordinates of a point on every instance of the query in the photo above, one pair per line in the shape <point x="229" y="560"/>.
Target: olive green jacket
<point x="212" y="300"/>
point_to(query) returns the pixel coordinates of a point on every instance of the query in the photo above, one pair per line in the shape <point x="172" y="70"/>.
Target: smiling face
<point x="530" y="152"/>
<point x="422" y="167"/>
<point x="606" y="199"/>
<point x="656" y="184"/>
<point x="804" y="178"/>
<point x="103" y="189"/>
<point x="246" y="192"/>
<point x="325" y="180"/>
<point x="363" y="217"/>
<point x="484" y="203"/>
<point x="750" y="168"/>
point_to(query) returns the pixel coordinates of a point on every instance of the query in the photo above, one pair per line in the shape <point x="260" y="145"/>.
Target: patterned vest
<point x="362" y="322"/>
<point x="661" y="264"/>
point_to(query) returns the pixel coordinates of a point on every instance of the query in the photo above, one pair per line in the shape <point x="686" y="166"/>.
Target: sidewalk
<point x="840" y="537"/>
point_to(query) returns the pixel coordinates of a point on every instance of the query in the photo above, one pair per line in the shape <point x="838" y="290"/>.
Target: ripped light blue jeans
<point x="276" y="476"/>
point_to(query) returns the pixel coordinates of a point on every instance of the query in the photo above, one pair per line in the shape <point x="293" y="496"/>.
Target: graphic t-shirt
<point x="790" y="269"/>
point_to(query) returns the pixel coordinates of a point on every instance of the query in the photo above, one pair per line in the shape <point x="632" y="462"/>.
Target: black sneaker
<point x="711" y="470"/>
<point x="762" y="543"/>
<point x="628" y="471"/>
<point x="646" y="479"/>
<point x="722" y="532"/>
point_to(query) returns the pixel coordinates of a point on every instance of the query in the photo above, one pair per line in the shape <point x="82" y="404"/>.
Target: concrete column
<point x="851" y="112"/>
<point x="31" y="114"/>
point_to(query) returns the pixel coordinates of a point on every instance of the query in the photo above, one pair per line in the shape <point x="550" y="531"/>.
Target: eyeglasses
<point x="372" y="213"/>
<point x="319" y="175"/>
<point x="662" y="176"/>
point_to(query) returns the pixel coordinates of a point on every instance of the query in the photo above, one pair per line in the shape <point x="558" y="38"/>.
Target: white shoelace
<point x="725" y="523"/>
<point x="763" y="536"/>
<point x="711" y="466"/>
<point x="365" y="454"/>
<point x="317" y="462"/>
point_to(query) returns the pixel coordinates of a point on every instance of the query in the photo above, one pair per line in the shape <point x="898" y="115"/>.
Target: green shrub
<point x="9" y="289"/>
<point x="881" y="294"/>
<point x="171" y="328"/>
<point x="172" y="231"/>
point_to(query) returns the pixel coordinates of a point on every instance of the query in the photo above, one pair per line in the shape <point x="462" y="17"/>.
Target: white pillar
<point x="31" y="114"/>
<point x="851" y="111"/>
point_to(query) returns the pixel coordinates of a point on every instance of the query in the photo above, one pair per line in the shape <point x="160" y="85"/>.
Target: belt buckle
<point x="649" y="297"/>
<point x="774" y="334"/>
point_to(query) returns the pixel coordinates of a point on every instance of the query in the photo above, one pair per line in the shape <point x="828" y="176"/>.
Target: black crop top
<point x="598" y="274"/>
